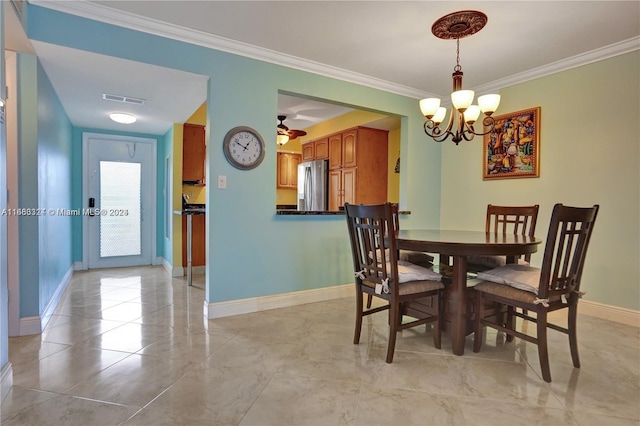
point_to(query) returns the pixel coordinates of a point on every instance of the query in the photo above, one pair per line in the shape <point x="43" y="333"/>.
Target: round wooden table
<point x="459" y="245"/>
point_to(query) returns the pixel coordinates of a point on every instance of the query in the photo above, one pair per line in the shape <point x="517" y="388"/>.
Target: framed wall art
<point x="512" y="149"/>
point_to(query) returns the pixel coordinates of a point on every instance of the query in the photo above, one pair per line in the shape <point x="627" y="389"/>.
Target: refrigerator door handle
<point x="307" y="188"/>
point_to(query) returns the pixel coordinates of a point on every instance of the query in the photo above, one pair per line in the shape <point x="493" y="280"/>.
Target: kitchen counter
<point x="287" y="212"/>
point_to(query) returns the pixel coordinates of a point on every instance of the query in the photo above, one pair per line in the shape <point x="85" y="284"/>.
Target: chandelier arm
<point x="487" y="121"/>
<point x="436" y="133"/>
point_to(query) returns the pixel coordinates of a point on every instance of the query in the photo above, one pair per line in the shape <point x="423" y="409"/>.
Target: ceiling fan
<point x="284" y="134"/>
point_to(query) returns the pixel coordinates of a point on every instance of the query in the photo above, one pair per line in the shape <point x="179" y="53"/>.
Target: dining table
<point x="459" y="245"/>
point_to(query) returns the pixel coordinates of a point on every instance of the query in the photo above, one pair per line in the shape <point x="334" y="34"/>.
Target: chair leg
<point x="477" y="332"/>
<point x="394" y="319"/>
<point x="573" y="336"/>
<point x="437" y="333"/>
<point x="369" y="300"/>
<point x="543" y="351"/>
<point x="511" y="322"/>
<point x="358" y="330"/>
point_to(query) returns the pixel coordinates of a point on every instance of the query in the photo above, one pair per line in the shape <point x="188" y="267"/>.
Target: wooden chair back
<point x="372" y="232"/>
<point x="519" y="220"/>
<point x="565" y="250"/>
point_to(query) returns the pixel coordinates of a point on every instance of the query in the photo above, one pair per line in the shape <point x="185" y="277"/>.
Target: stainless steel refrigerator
<point x="313" y="183"/>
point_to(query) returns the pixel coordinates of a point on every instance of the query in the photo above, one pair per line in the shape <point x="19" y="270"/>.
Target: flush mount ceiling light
<point x="123" y="118"/>
<point x="458" y="25"/>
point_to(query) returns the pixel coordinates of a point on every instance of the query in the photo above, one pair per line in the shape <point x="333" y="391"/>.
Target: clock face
<point x="244" y="148"/>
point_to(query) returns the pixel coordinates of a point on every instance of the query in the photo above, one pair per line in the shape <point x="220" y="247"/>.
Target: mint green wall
<point x="251" y="252"/>
<point x="589" y="146"/>
<point x="77" y="201"/>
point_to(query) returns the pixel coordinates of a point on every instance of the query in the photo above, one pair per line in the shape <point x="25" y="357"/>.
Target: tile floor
<point x="130" y="346"/>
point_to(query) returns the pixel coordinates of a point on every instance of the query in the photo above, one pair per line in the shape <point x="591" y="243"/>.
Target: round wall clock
<point x="244" y="148"/>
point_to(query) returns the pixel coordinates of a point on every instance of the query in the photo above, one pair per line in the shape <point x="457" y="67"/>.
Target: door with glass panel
<point x="119" y="201"/>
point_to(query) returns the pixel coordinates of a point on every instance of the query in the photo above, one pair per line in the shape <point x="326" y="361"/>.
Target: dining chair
<point x="518" y="220"/>
<point x="416" y="257"/>
<point x="408" y="289"/>
<point x="553" y="286"/>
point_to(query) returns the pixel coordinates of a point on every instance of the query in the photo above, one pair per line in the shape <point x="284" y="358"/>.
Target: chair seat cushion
<point x="523" y="277"/>
<point x="407" y="271"/>
<point x="411" y="287"/>
<point x="510" y="292"/>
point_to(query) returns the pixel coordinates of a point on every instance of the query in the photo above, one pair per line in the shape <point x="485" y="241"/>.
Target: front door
<point x="119" y="213"/>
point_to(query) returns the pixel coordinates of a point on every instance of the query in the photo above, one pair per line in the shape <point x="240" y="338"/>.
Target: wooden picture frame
<point x="512" y="149"/>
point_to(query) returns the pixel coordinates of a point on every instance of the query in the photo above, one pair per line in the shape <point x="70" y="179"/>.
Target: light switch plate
<point x="222" y="182"/>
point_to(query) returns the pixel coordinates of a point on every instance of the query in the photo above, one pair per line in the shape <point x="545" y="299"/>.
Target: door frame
<point x="86" y="136"/>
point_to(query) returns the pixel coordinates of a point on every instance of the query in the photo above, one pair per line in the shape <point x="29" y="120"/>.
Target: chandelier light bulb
<point x="439" y="115"/>
<point x="429" y="106"/>
<point x="471" y="114"/>
<point x="489" y="103"/>
<point x="461" y="99"/>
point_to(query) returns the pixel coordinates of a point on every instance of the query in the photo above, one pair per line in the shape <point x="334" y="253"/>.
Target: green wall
<point x="589" y="154"/>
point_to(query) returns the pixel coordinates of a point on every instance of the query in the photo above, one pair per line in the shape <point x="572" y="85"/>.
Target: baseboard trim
<point x="30" y="325"/>
<point x="609" y="312"/>
<point x="6" y="380"/>
<point x="178" y="271"/>
<point x="263" y="303"/>
<point x="55" y="299"/>
<point x="79" y="266"/>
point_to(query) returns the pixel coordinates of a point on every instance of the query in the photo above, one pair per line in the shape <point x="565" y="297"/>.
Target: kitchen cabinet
<point x="321" y="147"/>
<point x="198" y="232"/>
<point x="315" y="150"/>
<point x="308" y="151"/>
<point x="342" y="187"/>
<point x="358" y="167"/>
<point x="288" y="170"/>
<point x="193" y="154"/>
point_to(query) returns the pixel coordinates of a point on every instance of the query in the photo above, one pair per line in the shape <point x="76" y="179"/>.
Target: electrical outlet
<point x="222" y="182"/>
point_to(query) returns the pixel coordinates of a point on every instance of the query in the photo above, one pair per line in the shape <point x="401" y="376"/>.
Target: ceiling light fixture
<point x="123" y="118"/>
<point x="282" y="136"/>
<point x="458" y="25"/>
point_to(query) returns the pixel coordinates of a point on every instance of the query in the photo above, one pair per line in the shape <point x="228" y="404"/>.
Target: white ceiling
<point x="383" y="44"/>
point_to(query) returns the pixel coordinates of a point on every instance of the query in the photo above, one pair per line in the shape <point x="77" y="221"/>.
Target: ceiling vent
<point x="124" y="99"/>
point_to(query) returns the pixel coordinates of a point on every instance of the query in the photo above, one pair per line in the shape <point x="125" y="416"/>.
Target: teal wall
<point x="54" y="191"/>
<point x="77" y="201"/>
<point x="44" y="156"/>
<point x="4" y="295"/>
<point x="28" y="183"/>
<point x="251" y="251"/>
<point x="167" y="151"/>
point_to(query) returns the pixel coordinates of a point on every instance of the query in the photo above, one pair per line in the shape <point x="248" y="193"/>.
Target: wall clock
<point x="244" y="148"/>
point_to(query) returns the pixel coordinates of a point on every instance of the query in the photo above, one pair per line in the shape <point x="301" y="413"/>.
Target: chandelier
<point x="463" y="115"/>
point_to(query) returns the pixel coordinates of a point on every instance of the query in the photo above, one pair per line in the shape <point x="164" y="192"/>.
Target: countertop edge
<point x="318" y="213"/>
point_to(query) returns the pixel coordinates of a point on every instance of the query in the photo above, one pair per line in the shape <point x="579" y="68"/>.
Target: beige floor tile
<point x="131" y="346"/>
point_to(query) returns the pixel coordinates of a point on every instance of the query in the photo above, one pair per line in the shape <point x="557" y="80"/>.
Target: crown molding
<point x="124" y="19"/>
<point x="596" y="55"/>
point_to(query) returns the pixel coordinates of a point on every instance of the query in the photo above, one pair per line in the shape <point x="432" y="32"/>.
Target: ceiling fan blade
<point x="295" y="133"/>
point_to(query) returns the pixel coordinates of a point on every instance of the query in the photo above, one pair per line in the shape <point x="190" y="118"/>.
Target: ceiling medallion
<point x="459" y="24"/>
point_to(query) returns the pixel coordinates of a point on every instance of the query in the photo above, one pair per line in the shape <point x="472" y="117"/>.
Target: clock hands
<point x="244" y="147"/>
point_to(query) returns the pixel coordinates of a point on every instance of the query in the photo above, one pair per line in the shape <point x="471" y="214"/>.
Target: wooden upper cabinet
<point x="349" y="139"/>
<point x="322" y="149"/>
<point x="193" y="153"/>
<point x="308" y="151"/>
<point x="288" y="170"/>
<point x="335" y="151"/>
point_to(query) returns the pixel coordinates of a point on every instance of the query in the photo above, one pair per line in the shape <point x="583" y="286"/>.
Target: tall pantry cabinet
<point x="358" y="167"/>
